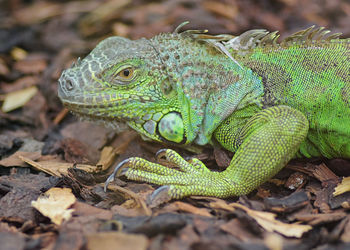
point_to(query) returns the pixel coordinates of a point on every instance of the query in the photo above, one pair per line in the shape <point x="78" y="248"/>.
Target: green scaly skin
<point x="267" y="101"/>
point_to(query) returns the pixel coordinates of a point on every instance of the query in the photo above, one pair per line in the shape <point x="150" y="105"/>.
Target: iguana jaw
<point x="94" y="107"/>
<point x="140" y="105"/>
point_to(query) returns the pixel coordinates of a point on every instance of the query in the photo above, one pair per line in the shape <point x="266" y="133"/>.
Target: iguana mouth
<point x="108" y="122"/>
<point x="111" y="112"/>
<point x="89" y="105"/>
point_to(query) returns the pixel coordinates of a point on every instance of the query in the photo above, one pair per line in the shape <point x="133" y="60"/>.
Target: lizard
<point x="266" y="99"/>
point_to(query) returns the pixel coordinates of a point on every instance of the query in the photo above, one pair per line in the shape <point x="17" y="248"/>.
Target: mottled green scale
<point x="311" y="79"/>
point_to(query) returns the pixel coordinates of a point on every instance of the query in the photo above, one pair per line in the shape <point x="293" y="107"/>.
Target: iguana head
<point x="125" y="81"/>
<point x="162" y="87"/>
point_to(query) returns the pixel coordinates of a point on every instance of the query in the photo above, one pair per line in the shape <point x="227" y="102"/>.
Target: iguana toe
<point x="191" y="178"/>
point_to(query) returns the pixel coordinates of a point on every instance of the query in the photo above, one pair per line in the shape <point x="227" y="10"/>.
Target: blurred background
<point x="53" y="25"/>
<point x="38" y="38"/>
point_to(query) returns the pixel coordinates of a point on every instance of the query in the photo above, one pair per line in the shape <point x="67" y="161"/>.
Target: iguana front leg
<point x="268" y="141"/>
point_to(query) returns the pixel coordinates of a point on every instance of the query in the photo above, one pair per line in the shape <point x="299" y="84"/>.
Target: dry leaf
<point x="316" y="219"/>
<point x="102" y="12"/>
<point x="57" y="168"/>
<point x="346" y="232"/>
<point x="18" y="53"/>
<point x="84" y="209"/>
<point x="229" y="11"/>
<point x="33" y="64"/>
<point x="4" y="70"/>
<point x="21" y="83"/>
<point x="120" y="29"/>
<point x="55" y="203"/>
<point x="14" y="161"/>
<point x="117" y="240"/>
<point x="107" y="158"/>
<point x="219" y="204"/>
<point x="274" y="241"/>
<point x="135" y="198"/>
<point x="342" y="187"/>
<point x="37" y="12"/>
<point x="269" y="223"/>
<point x="237" y="228"/>
<point x="185" y="207"/>
<point x="60" y="116"/>
<point x="17" y="99"/>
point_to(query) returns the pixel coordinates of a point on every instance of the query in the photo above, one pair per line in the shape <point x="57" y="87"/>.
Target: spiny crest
<point x="213" y="40"/>
<point x="76" y="63"/>
<point x="259" y="38"/>
<point x="262" y="38"/>
<point x="201" y="35"/>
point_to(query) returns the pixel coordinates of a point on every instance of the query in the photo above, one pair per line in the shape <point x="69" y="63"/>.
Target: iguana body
<point x="267" y="101"/>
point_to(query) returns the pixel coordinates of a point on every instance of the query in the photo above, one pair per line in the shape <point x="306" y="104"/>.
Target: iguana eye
<point x="125" y="74"/>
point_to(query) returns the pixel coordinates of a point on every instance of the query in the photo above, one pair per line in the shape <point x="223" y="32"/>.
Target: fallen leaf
<point x="187" y="237"/>
<point x="32" y="64"/>
<point x="287" y="204"/>
<point x="77" y="152"/>
<point x="107" y="157"/>
<point x="14" y="161"/>
<point x="236" y="228"/>
<point x="57" y="168"/>
<point x="17" y="99"/>
<point x="83" y="209"/>
<point x="120" y="29"/>
<point x="91" y="134"/>
<point x="4" y="70"/>
<point x="136" y="198"/>
<point x="21" y="83"/>
<point x="201" y="225"/>
<point x="346" y="232"/>
<point x="274" y="241"/>
<point x="103" y="11"/>
<point x="18" y="53"/>
<point x="185" y="207"/>
<point x="229" y="11"/>
<point x="269" y="223"/>
<point x="342" y="187"/>
<point x="130" y="212"/>
<point x="37" y="12"/>
<point x="219" y="204"/>
<point x="55" y="203"/>
<point x="316" y="219"/>
<point x="60" y="116"/>
<point x="118" y="240"/>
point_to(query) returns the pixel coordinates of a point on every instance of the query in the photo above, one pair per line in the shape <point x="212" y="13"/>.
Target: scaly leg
<point x="268" y="141"/>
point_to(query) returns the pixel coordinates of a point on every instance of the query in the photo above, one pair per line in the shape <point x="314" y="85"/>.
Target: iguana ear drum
<point x="171" y="127"/>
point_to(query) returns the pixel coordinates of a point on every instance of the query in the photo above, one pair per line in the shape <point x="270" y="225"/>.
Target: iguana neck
<point x="210" y="86"/>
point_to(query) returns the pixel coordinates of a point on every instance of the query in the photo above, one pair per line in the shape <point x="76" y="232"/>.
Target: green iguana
<point x="265" y="100"/>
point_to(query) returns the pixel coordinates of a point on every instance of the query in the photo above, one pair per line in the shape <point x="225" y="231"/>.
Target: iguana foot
<point x="191" y="178"/>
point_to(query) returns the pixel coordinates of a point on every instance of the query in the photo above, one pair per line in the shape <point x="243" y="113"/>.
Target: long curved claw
<point x="161" y="153"/>
<point x="117" y="172"/>
<point x="160" y="195"/>
<point x="190" y="178"/>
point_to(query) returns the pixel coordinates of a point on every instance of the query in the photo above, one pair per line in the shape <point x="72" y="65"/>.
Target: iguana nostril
<point x="69" y="85"/>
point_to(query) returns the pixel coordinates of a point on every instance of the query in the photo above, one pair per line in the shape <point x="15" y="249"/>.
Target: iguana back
<point x="309" y="72"/>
